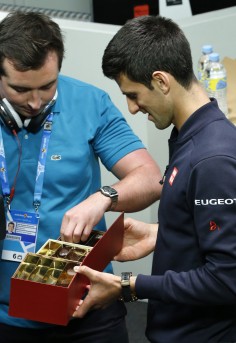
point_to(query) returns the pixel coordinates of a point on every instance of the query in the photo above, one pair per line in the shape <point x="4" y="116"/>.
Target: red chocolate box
<point x="44" y="287"/>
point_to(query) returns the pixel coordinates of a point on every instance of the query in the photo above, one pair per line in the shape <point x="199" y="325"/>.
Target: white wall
<point x="64" y="5"/>
<point x="85" y="43"/>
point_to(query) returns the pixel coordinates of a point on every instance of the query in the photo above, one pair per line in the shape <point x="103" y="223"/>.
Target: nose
<point x="132" y="106"/>
<point x="34" y="100"/>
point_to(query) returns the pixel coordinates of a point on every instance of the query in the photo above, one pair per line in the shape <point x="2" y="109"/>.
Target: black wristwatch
<point x="112" y="194"/>
<point x="127" y="294"/>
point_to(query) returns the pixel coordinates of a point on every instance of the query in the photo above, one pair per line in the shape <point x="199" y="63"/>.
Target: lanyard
<point x="40" y="168"/>
<point x="3" y="169"/>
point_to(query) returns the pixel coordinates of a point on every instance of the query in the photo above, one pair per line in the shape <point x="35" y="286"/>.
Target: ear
<point x="161" y="79"/>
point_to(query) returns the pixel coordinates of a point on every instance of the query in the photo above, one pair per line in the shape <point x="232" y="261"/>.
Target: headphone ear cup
<point x="9" y="116"/>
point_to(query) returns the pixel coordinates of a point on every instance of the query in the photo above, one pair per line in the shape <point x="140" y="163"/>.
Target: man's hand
<point x="79" y="221"/>
<point x="104" y="289"/>
<point x="139" y="240"/>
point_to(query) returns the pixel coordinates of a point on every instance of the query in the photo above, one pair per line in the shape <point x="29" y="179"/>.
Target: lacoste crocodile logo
<point x="56" y="157"/>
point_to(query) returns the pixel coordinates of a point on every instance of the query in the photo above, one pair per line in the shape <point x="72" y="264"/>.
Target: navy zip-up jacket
<point x="192" y="290"/>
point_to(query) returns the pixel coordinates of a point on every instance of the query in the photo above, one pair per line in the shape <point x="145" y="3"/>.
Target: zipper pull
<point x="164" y="176"/>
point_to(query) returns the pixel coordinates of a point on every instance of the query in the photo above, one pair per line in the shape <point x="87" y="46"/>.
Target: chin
<point x="160" y="127"/>
<point x="28" y="115"/>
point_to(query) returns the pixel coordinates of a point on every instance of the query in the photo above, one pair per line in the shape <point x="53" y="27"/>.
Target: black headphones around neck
<point x="11" y="119"/>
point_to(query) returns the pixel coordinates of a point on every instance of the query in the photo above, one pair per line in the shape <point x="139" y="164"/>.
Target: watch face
<point x="125" y="276"/>
<point x="109" y="191"/>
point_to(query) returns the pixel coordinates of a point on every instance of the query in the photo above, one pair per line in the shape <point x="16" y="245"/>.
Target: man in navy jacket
<point x="192" y="289"/>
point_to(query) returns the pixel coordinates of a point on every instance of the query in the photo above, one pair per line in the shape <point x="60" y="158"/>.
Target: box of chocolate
<point x="45" y="287"/>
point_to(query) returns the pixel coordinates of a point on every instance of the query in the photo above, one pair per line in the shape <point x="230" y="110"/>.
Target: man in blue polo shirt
<point x="54" y="132"/>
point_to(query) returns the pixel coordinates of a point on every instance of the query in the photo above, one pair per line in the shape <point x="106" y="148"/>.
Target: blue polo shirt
<point x="87" y="129"/>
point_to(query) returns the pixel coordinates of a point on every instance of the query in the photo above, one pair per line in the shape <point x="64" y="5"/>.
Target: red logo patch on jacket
<point x="173" y="176"/>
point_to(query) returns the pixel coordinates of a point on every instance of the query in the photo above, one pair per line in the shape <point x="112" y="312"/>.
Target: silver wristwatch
<point x="112" y="194"/>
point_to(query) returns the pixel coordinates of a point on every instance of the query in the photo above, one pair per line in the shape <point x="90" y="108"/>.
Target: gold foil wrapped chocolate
<point x="53" y="264"/>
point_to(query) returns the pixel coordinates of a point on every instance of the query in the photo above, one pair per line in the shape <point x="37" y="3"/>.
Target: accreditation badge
<point x="21" y="235"/>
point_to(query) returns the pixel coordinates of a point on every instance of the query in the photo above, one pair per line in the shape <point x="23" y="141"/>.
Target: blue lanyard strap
<point x="3" y="171"/>
<point x="42" y="162"/>
<point x="40" y="168"/>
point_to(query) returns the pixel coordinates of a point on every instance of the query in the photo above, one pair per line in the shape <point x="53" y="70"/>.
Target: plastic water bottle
<point x="203" y="60"/>
<point x="216" y="81"/>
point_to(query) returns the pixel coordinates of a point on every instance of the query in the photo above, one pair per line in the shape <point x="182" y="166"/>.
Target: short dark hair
<point x="146" y="44"/>
<point x="26" y="38"/>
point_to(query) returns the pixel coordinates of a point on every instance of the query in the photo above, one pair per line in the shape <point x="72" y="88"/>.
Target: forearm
<point x="139" y="189"/>
<point x="138" y="185"/>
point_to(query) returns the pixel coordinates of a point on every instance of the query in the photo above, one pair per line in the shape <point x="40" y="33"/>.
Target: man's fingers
<point x="84" y="270"/>
<point x="81" y="310"/>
